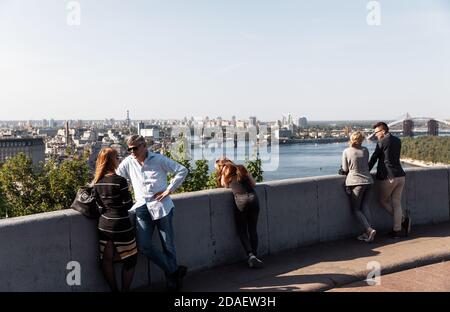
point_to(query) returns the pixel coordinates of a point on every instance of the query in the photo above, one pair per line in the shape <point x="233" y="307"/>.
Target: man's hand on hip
<point x="161" y="195"/>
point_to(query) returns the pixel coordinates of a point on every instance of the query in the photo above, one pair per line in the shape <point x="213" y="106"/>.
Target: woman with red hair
<point x="246" y="208"/>
<point x="116" y="233"/>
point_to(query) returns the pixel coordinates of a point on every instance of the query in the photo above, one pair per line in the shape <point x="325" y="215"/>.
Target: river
<point x="294" y="160"/>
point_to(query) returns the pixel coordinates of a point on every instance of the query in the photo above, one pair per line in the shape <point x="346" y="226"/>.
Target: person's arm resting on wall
<point x="344" y="164"/>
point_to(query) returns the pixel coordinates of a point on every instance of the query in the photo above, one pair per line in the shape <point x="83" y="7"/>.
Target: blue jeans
<point x="145" y="226"/>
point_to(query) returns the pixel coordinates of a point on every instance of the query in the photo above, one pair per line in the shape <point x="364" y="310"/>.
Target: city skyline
<point x="282" y="117"/>
<point x="320" y="60"/>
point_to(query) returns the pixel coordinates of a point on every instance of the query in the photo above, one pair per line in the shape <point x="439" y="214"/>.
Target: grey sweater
<point x="356" y="162"/>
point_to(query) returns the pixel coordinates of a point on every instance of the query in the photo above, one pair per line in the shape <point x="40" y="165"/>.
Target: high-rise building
<point x="79" y="123"/>
<point x="67" y="132"/>
<point x="128" y="120"/>
<point x="252" y="121"/>
<point x="34" y="148"/>
<point x="290" y="120"/>
<point x="302" y="122"/>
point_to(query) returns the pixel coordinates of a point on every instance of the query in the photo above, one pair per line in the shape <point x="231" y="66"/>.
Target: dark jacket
<point x="387" y="153"/>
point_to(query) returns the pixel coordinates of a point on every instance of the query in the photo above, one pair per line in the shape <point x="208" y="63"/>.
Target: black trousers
<point x="246" y="214"/>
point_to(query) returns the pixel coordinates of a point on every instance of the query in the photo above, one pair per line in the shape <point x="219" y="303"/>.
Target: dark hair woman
<point x="117" y="239"/>
<point x="246" y="208"/>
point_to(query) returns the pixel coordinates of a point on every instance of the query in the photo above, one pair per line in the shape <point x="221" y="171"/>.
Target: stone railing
<point x="36" y="251"/>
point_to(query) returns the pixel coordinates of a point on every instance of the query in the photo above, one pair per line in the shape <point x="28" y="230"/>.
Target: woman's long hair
<point x="244" y="175"/>
<point x="238" y="171"/>
<point x="106" y="163"/>
<point x="220" y="163"/>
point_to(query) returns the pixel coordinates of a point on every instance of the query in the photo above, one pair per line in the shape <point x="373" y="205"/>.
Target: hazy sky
<point x="170" y="59"/>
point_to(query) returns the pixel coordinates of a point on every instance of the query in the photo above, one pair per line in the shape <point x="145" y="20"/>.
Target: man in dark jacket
<point x="390" y="177"/>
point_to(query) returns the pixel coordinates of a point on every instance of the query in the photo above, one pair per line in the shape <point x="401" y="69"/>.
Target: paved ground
<point x="433" y="277"/>
<point x="329" y="265"/>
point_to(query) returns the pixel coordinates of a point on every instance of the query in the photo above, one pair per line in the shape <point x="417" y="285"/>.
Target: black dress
<point x="114" y="224"/>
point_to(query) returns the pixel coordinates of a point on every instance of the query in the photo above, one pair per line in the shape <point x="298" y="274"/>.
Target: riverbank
<point x="421" y="163"/>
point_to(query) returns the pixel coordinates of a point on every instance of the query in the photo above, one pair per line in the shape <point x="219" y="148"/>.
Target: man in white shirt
<point x="147" y="172"/>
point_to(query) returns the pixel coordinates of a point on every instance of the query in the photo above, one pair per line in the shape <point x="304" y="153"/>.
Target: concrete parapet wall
<point x="35" y="250"/>
<point x="293" y="213"/>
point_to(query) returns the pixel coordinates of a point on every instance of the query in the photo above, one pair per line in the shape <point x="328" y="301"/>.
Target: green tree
<point x="19" y="181"/>
<point x="29" y="189"/>
<point x="65" y="179"/>
<point x="4" y="207"/>
<point x="198" y="177"/>
<point x="428" y="148"/>
<point x="255" y="168"/>
<point x="212" y="180"/>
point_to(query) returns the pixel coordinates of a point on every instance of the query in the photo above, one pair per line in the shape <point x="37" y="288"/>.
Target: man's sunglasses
<point x="134" y="148"/>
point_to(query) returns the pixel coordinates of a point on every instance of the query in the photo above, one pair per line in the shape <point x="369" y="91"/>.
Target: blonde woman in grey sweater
<point x="355" y="164"/>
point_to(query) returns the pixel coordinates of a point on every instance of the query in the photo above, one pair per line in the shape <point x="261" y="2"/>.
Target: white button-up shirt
<point x="151" y="178"/>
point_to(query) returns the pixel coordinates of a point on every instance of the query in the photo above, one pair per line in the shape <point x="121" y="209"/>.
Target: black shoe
<point x="175" y="279"/>
<point x="171" y="282"/>
<point x="181" y="273"/>
<point x="395" y="234"/>
<point x="406" y="226"/>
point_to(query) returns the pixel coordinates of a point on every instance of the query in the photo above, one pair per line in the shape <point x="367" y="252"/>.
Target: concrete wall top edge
<point x="437" y="168"/>
<point x="37" y="217"/>
<point x="329" y="177"/>
<point x="288" y="181"/>
<point x="71" y="213"/>
<point x="190" y="194"/>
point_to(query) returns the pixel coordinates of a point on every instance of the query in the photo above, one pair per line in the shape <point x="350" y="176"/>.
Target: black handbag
<point x="86" y="203"/>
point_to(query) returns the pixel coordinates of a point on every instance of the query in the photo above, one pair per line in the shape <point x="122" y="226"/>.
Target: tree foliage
<point x="255" y="169"/>
<point x="65" y="179"/>
<point x="198" y="177"/>
<point x="29" y="189"/>
<point x="429" y="148"/>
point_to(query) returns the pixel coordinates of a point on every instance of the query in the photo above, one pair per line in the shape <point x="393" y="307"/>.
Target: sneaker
<point x="406" y="225"/>
<point x="371" y="236"/>
<point x="254" y="262"/>
<point x="395" y="234"/>
<point x="363" y="237"/>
